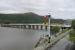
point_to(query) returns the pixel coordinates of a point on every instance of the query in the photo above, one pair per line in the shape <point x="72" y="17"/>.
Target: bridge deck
<point x="41" y="24"/>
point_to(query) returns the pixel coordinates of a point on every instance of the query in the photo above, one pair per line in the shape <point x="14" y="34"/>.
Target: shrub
<point x="55" y="29"/>
<point x="73" y="24"/>
<point x="72" y="36"/>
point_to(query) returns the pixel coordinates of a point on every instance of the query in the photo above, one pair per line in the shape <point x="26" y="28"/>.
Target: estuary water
<point x="19" y="39"/>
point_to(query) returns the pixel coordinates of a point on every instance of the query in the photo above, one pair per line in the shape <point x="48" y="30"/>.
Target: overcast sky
<point x="57" y="8"/>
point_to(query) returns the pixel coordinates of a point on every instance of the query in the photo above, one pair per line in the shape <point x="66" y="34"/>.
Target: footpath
<point x="43" y="42"/>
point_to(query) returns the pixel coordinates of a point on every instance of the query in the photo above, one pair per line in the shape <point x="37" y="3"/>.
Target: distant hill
<point x="27" y="18"/>
<point x="21" y="18"/>
<point x="58" y="21"/>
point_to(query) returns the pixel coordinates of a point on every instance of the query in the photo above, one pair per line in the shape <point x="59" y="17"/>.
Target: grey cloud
<point x="57" y="8"/>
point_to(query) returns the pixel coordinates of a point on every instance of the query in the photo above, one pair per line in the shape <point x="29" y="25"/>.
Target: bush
<point x="72" y="36"/>
<point x="72" y="33"/>
<point x="73" y="24"/>
<point x="55" y="29"/>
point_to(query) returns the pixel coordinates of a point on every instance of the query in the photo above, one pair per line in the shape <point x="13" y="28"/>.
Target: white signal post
<point x="49" y="27"/>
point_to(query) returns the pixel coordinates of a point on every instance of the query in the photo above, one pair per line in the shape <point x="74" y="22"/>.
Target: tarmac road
<point x="61" y="45"/>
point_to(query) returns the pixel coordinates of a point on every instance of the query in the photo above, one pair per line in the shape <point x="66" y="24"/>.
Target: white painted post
<point x="49" y="28"/>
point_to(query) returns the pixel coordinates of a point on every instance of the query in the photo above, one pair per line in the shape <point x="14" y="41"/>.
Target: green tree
<point x="73" y="24"/>
<point x="72" y="33"/>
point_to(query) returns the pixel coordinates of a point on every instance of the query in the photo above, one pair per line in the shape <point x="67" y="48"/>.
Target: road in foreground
<point x="61" y="45"/>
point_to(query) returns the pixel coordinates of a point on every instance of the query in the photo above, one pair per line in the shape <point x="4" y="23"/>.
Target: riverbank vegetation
<point x="72" y="33"/>
<point x="72" y="36"/>
<point x="55" y="29"/>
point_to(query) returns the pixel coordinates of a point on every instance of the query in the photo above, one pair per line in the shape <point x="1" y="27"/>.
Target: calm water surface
<point x="19" y="39"/>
